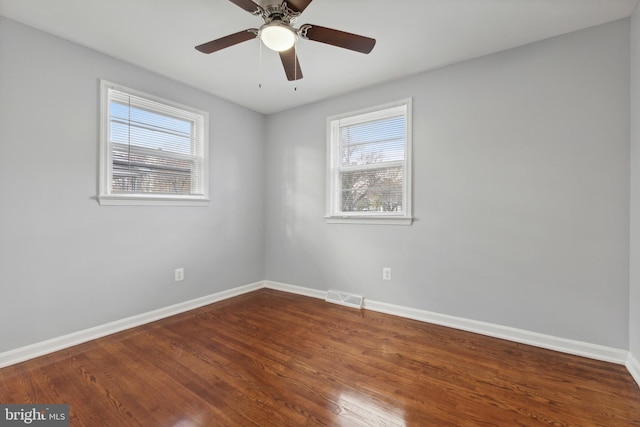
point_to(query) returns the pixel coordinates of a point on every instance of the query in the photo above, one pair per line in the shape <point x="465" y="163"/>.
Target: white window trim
<point x="105" y="195"/>
<point x="404" y="218"/>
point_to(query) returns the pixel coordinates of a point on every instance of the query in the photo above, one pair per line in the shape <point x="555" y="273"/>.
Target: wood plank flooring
<point x="270" y="358"/>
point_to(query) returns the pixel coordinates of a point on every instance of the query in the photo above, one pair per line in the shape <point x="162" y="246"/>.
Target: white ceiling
<point x="412" y="36"/>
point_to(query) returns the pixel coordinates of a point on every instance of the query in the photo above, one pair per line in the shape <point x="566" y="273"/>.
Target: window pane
<point x="142" y="128"/>
<point x="377" y="190"/>
<point x="153" y="151"/>
<point x="373" y="142"/>
<point x="148" y="173"/>
<point x="369" y="165"/>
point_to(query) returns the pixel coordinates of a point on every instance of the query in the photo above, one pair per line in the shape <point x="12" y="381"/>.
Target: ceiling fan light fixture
<point x="277" y="36"/>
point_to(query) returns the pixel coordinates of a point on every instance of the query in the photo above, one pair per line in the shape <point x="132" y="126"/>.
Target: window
<point x="369" y="165"/>
<point x="152" y="151"/>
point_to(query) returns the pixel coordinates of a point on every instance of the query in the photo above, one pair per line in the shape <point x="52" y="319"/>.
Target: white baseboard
<point x="633" y="366"/>
<point x="292" y="289"/>
<point x="21" y="354"/>
<point x="578" y="348"/>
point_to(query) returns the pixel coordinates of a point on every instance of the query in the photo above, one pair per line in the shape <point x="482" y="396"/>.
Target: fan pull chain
<point x="295" y="64"/>
<point x="260" y="65"/>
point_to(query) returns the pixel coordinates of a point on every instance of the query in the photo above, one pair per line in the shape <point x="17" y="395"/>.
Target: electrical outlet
<point x="178" y="275"/>
<point x="386" y="273"/>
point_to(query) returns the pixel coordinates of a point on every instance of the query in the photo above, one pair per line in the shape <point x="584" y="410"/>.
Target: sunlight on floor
<point x="364" y="412"/>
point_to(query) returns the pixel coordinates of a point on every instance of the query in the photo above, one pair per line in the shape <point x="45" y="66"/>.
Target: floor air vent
<point x="344" y="298"/>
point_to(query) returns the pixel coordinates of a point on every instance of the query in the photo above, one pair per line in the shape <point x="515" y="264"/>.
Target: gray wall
<point x="634" y="294"/>
<point x="521" y="192"/>
<point x="67" y="263"/>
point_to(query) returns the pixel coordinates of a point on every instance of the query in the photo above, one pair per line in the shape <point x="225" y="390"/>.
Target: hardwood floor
<point x="269" y="358"/>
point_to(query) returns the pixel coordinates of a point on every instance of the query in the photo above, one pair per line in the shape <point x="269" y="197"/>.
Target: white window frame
<point x="334" y="213"/>
<point x="201" y="122"/>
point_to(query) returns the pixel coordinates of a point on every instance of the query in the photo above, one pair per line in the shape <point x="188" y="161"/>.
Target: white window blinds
<point x="369" y="155"/>
<point x="153" y="148"/>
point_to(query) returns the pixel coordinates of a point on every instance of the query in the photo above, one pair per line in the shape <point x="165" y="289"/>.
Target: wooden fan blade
<point x="298" y="5"/>
<point x="291" y="64"/>
<point x="247" y="5"/>
<point x="227" y="41"/>
<point x="337" y="38"/>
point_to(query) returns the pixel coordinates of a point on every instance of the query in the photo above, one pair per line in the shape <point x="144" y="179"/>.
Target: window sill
<point x="388" y="220"/>
<point x="151" y="200"/>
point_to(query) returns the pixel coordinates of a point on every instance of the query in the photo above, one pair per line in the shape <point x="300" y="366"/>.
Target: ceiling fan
<point x="278" y="33"/>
